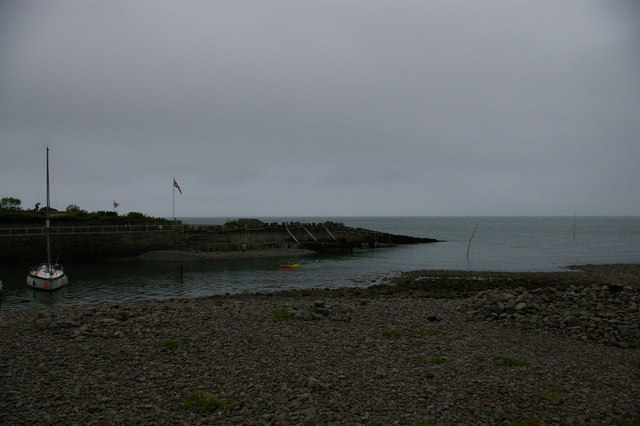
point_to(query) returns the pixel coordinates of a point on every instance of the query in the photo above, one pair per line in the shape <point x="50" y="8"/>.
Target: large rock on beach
<point x="605" y="313"/>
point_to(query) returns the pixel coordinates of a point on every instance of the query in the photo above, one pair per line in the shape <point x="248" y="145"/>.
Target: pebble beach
<point x="494" y="348"/>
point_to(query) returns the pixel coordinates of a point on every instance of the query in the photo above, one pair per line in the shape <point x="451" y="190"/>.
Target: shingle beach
<point x="523" y="348"/>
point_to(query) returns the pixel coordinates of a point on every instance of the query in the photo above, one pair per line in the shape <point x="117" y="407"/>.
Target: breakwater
<point x="321" y="237"/>
<point x="80" y="243"/>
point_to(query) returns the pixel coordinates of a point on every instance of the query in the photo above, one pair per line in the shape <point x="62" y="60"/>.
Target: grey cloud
<point x="434" y="107"/>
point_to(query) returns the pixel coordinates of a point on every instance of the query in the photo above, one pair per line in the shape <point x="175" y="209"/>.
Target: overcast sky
<point x="323" y="107"/>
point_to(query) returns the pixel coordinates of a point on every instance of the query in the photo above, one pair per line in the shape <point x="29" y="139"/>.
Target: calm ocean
<point x="499" y="244"/>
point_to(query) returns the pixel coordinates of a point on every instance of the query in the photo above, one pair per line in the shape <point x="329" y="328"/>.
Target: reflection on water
<point x="46" y="297"/>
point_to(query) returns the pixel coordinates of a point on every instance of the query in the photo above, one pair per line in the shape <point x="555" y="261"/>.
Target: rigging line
<point x="43" y="169"/>
<point x="53" y="185"/>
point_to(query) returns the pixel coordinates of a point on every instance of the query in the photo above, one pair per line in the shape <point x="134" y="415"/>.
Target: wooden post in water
<point x="469" y="246"/>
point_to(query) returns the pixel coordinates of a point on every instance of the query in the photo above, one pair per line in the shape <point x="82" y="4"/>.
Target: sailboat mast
<point x="48" y="215"/>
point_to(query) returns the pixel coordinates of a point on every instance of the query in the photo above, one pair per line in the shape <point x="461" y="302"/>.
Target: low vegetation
<point x="419" y="332"/>
<point x="434" y="360"/>
<point x="392" y="333"/>
<point x="244" y="223"/>
<point x="432" y="331"/>
<point x="502" y="360"/>
<point x="282" y="314"/>
<point x="11" y="212"/>
<point x="206" y="403"/>
<point x="527" y="421"/>
<point x="633" y="421"/>
<point x="509" y="362"/>
<point x="175" y="344"/>
<point x="552" y="394"/>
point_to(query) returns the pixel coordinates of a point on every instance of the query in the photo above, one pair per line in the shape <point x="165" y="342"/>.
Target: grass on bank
<point x="436" y="360"/>
<point x="432" y="331"/>
<point x="175" y="344"/>
<point x="392" y="333"/>
<point x="389" y="332"/>
<point x="527" y="421"/>
<point x="633" y="421"/>
<point x="502" y="360"/>
<point x="509" y="362"/>
<point x="282" y="314"/>
<point x="552" y="394"/>
<point x="206" y="403"/>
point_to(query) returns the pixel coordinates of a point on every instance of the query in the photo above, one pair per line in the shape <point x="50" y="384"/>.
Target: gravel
<point x="331" y="357"/>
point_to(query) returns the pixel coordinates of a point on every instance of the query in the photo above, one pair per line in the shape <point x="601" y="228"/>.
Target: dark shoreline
<point x="452" y="284"/>
<point x="194" y="256"/>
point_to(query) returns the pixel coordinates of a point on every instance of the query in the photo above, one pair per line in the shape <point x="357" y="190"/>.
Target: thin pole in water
<point x="474" y="233"/>
<point x="574" y="226"/>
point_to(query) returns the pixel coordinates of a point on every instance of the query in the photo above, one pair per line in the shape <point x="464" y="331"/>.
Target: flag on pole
<point x="175" y="184"/>
<point x="115" y="204"/>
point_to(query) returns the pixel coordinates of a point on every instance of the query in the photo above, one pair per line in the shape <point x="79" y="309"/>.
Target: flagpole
<point x="174" y="201"/>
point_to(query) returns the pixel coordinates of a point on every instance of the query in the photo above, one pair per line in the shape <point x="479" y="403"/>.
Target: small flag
<point x="175" y="184"/>
<point x="115" y="204"/>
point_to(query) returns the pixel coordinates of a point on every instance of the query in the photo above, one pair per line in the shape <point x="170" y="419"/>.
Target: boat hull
<point x="295" y="265"/>
<point x="45" y="277"/>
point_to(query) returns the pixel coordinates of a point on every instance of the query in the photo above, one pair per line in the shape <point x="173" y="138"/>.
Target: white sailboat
<point x="47" y="276"/>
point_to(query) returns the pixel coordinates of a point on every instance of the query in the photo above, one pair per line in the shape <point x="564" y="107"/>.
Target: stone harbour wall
<point x="79" y="247"/>
<point x="108" y="242"/>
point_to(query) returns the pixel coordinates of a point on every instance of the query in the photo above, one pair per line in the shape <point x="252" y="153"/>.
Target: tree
<point x="10" y="203"/>
<point x="73" y="208"/>
<point x="137" y="217"/>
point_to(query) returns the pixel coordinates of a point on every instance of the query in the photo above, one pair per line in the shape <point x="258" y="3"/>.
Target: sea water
<point x="498" y="244"/>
